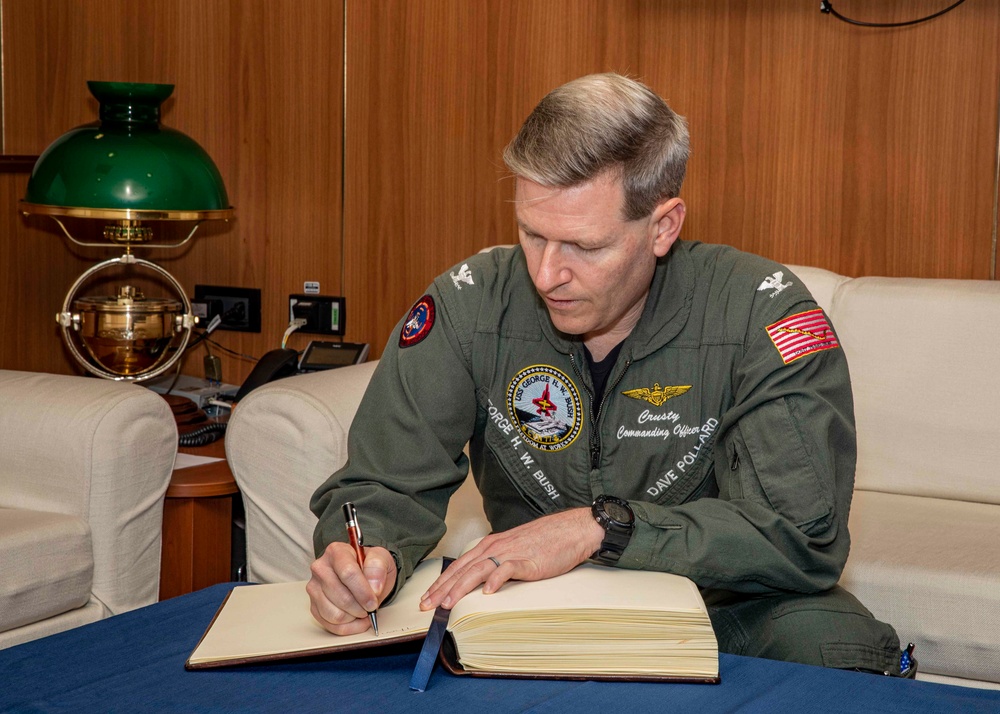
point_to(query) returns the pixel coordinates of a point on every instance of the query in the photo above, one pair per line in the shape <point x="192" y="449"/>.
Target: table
<point x="135" y="663"/>
<point x="197" y="524"/>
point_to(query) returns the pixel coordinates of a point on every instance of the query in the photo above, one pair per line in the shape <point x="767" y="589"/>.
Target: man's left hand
<point x="543" y="548"/>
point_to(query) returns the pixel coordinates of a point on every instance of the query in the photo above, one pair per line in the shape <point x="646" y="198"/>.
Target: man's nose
<point x="552" y="270"/>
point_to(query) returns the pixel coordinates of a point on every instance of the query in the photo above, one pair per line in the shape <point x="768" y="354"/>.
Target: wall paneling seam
<point x="996" y="192"/>
<point x="343" y="165"/>
<point x="3" y="75"/>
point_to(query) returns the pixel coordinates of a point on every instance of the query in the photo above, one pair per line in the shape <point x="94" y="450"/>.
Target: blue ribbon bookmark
<point x="432" y="645"/>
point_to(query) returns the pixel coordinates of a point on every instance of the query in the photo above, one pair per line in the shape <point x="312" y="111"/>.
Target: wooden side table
<point x="197" y="524"/>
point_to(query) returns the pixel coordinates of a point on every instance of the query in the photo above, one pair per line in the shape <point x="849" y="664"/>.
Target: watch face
<point x="618" y="512"/>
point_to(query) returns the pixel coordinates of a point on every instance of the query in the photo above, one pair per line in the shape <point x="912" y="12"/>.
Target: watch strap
<point x="616" y="535"/>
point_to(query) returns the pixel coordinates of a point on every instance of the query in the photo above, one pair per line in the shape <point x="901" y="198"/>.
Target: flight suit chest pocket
<point x="522" y="469"/>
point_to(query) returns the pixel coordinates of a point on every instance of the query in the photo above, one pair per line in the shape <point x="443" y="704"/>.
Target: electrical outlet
<point x="239" y="308"/>
<point x="324" y="314"/>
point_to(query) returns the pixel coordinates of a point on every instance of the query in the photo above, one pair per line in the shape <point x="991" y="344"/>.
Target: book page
<point x="591" y="621"/>
<point x="267" y="621"/>
<point x="589" y="587"/>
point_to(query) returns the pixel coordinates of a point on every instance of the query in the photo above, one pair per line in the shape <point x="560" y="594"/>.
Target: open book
<point x="592" y="623"/>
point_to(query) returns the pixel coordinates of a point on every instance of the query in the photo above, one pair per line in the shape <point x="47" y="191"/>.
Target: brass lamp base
<point x="127" y="336"/>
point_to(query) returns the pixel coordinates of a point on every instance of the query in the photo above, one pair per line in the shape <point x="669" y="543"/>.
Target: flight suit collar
<point x="667" y="308"/>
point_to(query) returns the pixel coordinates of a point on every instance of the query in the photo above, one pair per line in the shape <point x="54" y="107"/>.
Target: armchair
<point x="84" y="466"/>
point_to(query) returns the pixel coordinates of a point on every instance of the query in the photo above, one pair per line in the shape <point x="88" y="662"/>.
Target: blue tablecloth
<point x="135" y="663"/>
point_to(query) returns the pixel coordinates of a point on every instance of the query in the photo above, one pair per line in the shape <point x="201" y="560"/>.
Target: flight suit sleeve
<point x="783" y="464"/>
<point x="405" y="445"/>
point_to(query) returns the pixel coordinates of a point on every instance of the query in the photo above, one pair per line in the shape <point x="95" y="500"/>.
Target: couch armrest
<point x="102" y="451"/>
<point x="284" y="439"/>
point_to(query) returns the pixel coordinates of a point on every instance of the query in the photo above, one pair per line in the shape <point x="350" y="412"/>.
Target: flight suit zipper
<point x="595" y="435"/>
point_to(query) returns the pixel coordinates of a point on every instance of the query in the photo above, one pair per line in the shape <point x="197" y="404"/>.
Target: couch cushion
<point x="923" y="359"/>
<point x="821" y="283"/>
<point x="931" y="568"/>
<point x="47" y="565"/>
<point x="91" y="612"/>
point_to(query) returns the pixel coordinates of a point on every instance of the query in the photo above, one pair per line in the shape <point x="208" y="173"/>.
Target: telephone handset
<point x="273" y="365"/>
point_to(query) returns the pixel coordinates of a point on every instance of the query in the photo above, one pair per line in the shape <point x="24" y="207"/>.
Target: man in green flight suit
<point x="626" y="397"/>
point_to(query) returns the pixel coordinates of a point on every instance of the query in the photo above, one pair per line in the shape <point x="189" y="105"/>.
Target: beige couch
<point x="925" y="523"/>
<point x="84" y="466"/>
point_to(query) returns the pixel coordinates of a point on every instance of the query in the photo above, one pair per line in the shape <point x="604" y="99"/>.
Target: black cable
<point x="239" y="307"/>
<point x="242" y="356"/>
<point x="203" y="435"/>
<point x="196" y="341"/>
<point x="177" y="375"/>
<point x="825" y="6"/>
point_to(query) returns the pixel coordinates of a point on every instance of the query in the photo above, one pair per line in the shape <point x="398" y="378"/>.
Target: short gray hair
<point x="601" y="123"/>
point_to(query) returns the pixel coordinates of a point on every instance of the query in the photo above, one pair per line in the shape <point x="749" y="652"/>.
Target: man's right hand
<point x="341" y="595"/>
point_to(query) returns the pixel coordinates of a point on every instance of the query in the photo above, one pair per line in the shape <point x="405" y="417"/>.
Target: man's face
<point x="592" y="268"/>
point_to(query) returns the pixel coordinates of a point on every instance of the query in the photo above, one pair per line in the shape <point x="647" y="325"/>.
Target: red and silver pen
<point x="357" y="542"/>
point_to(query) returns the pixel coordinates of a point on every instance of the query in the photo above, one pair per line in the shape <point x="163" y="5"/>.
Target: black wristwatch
<point x="615" y="516"/>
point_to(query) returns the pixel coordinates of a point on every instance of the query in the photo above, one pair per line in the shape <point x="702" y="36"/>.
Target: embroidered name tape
<point x="802" y="334"/>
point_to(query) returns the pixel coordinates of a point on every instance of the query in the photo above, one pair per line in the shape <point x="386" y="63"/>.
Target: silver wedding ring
<point x="495" y="561"/>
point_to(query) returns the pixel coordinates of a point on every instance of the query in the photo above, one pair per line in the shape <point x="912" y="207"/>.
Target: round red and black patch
<point x="418" y="323"/>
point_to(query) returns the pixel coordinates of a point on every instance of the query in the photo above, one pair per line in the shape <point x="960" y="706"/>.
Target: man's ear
<point x="667" y="219"/>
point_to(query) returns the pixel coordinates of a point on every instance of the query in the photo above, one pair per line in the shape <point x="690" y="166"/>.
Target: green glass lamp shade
<point x="128" y="165"/>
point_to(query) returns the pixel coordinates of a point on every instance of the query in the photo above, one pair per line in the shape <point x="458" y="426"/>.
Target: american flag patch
<point x="802" y="334"/>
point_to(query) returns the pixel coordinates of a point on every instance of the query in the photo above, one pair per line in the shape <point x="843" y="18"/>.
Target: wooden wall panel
<point x="35" y="272"/>
<point x="435" y="90"/>
<point x="259" y="84"/>
<point x="865" y="151"/>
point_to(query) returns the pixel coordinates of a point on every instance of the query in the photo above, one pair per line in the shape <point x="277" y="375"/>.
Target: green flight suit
<point x="727" y="422"/>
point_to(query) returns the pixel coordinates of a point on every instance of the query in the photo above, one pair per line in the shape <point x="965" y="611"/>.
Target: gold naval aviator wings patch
<point x="657" y="395"/>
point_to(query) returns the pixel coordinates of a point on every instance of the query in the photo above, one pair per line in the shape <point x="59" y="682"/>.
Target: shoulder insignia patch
<point x="418" y="323"/>
<point x="658" y="395"/>
<point x="773" y="283"/>
<point x="802" y="334"/>
<point x="464" y="276"/>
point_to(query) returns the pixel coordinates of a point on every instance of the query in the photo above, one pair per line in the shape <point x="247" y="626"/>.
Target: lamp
<point x="126" y="170"/>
